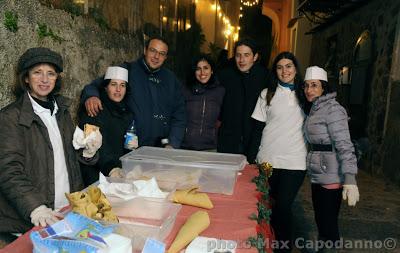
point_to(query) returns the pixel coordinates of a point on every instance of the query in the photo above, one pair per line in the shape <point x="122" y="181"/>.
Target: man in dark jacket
<point x="239" y="133"/>
<point x="155" y="97"/>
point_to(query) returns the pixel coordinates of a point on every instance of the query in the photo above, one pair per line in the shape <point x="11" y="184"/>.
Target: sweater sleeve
<point x="255" y="141"/>
<point x="260" y="110"/>
<point x="339" y="132"/>
<point x="178" y="117"/>
<point x="91" y="90"/>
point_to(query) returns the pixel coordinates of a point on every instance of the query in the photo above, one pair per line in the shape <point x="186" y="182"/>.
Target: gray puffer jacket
<point x="327" y="124"/>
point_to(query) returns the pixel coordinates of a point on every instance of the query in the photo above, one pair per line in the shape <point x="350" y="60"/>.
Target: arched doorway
<point x="360" y="86"/>
<point x="275" y="28"/>
<point x="258" y="27"/>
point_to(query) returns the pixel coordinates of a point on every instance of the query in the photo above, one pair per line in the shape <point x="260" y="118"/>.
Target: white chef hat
<point x="116" y="73"/>
<point x="316" y="73"/>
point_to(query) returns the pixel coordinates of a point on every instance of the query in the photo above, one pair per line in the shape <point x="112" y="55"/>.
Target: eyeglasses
<point x="40" y="75"/>
<point x="312" y="86"/>
<point x="155" y="51"/>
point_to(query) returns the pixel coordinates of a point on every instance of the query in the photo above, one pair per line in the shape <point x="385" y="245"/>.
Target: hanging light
<point x="249" y="3"/>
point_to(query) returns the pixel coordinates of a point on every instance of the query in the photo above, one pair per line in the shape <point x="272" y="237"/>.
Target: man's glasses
<point x="155" y="51"/>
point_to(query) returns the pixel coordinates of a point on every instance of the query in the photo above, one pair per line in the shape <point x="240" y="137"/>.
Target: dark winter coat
<point x="327" y="124"/>
<point x="27" y="162"/>
<point x="113" y="120"/>
<point x="156" y="100"/>
<point x="203" y="104"/>
<point x="239" y="133"/>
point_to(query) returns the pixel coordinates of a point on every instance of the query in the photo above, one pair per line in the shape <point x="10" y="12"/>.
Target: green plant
<point x="99" y="18"/>
<point x="43" y="31"/>
<point x="264" y="232"/>
<point x="11" y="21"/>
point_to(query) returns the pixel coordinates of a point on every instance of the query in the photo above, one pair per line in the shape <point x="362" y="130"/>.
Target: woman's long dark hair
<point x="191" y="77"/>
<point x="298" y="79"/>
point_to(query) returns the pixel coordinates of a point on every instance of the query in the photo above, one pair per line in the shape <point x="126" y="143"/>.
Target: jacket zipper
<point x="202" y="116"/>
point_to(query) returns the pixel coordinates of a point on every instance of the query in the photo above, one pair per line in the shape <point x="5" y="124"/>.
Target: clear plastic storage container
<point x="141" y="218"/>
<point x="212" y="172"/>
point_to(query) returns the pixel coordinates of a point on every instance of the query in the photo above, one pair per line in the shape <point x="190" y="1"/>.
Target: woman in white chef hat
<point x="331" y="161"/>
<point x="113" y="121"/>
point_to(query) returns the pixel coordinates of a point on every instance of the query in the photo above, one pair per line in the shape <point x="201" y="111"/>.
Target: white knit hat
<point x="116" y="73"/>
<point x="316" y="73"/>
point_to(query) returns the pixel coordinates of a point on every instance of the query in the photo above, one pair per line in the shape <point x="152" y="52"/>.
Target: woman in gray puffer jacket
<point x="331" y="162"/>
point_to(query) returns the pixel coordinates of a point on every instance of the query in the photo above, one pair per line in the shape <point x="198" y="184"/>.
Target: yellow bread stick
<point x="193" y="226"/>
<point x="193" y="198"/>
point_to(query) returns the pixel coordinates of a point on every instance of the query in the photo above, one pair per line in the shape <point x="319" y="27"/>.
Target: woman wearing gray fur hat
<point x="38" y="164"/>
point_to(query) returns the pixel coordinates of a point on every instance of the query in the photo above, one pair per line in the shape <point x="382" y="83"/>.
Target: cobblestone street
<point x="375" y="219"/>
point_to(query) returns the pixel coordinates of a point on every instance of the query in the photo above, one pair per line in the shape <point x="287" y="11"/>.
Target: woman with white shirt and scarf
<point x="38" y="164"/>
<point x="282" y="143"/>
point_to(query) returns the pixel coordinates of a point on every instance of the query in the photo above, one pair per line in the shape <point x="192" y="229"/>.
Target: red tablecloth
<point x="229" y="217"/>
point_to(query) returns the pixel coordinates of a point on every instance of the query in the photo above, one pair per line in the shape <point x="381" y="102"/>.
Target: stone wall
<point x="381" y="20"/>
<point x="123" y="15"/>
<point x="391" y="142"/>
<point x="87" y="50"/>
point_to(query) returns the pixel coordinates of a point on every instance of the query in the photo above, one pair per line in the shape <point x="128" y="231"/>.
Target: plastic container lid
<point x="190" y="158"/>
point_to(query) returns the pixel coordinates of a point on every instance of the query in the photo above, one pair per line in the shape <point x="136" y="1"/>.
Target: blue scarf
<point x="287" y="85"/>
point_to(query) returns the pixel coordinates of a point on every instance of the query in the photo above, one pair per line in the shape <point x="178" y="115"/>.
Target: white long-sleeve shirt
<point x="61" y="180"/>
<point x="282" y="143"/>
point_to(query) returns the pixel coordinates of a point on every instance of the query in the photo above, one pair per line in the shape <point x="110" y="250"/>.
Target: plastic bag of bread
<point x="92" y="204"/>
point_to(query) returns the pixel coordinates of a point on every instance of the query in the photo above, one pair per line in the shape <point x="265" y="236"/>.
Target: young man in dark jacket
<point x="155" y="97"/>
<point x="243" y="82"/>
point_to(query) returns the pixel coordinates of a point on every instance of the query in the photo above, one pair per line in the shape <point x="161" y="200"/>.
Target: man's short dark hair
<point x="156" y="37"/>
<point x="247" y="42"/>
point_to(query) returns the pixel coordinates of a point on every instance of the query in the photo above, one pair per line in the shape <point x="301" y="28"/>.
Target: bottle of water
<point x="131" y="138"/>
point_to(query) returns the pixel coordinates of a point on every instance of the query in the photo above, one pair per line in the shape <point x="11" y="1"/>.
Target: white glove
<point x="44" y="216"/>
<point x="116" y="172"/>
<point x="93" y="143"/>
<point x="78" y="141"/>
<point x="90" y="144"/>
<point x="350" y="192"/>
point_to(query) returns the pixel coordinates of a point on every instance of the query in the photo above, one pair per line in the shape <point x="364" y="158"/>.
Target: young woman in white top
<point x="282" y="143"/>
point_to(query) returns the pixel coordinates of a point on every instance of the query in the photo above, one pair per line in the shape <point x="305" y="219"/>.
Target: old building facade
<point x="360" y="50"/>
